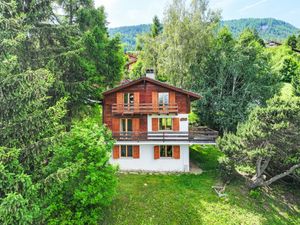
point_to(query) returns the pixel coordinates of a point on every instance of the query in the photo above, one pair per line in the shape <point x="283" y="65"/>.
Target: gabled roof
<point x="193" y="95"/>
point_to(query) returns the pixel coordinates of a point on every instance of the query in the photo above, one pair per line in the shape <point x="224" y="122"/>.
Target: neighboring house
<point x="149" y="120"/>
<point x="132" y="59"/>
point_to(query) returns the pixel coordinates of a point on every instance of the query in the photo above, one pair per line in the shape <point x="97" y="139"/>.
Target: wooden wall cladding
<point x="145" y="90"/>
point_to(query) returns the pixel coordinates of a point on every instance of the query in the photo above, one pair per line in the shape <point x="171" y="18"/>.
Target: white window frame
<point x="166" y="151"/>
<point x="162" y="118"/>
<point x="126" y="149"/>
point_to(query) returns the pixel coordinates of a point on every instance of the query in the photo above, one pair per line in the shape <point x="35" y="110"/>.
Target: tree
<point x="268" y="142"/>
<point x="298" y="41"/>
<point x="188" y="30"/>
<point x="80" y="182"/>
<point x="289" y="69"/>
<point x="156" y="27"/>
<point x="292" y="41"/>
<point x="296" y="84"/>
<point x="28" y="121"/>
<point x="18" y="195"/>
<point x="235" y="77"/>
<point x="71" y="8"/>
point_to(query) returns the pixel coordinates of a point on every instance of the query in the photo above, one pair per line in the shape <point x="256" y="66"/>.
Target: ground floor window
<point x="166" y="151"/>
<point x="126" y="150"/>
<point x="165" y="124"/>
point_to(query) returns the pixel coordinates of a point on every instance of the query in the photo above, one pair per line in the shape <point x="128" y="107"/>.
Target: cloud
<point x="252" y="5"/>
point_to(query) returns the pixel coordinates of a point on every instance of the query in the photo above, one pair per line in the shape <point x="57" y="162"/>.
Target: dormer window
<point x="163" y="98"/>
<point x="128" y="98"/>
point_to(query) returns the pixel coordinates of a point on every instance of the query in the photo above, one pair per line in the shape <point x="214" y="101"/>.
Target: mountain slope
<point x="268" y="29"/>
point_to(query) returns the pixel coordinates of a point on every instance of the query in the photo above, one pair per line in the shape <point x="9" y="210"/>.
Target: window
<point x="128" y="98"/>
<point x="166" y="151"/>
<point x="126" y="125"/>
<point x="165" y="123"/>
<point x="126" y="151"/>
<point x="163" y="98"/>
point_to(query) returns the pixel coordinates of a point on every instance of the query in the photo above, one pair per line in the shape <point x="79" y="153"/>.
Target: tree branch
<point x="279" y="176"/>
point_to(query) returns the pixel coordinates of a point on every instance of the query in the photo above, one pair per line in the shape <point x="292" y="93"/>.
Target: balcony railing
<point x="144" y="108"/>
<point x="204" y="136"/>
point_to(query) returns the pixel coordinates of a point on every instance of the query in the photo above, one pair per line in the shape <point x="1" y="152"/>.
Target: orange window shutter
<point x="176" y="152"/>
<point x="135" y="125"/>
<point x="115" y="125"/>
<point x="154" y="124"/>
<point x="156" y="152"/>
<point x="136" y="152"/>
<point x="116" y="152"/>
<point x="120" y="101"/>
<point x="136" y="100"/>
<point x="175" y="124"/>
<point x="172" y="98"/>
<point x="155" y="101"/>
<point x="120" y="98"/>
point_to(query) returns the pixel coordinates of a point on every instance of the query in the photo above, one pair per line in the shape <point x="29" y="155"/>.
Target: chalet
<point x="149" y="120"/>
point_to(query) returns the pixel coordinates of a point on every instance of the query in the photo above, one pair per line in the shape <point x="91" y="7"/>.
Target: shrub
<point x="80" y="180"/>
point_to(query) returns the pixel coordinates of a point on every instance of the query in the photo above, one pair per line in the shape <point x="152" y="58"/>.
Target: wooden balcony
<point x="201" y="136"/>
<point x="143" y="108"/>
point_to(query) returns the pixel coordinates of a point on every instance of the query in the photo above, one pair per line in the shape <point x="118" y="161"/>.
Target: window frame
<point x="126" y="125"/>
<point x="128" y="95"/>
<point x="164" y="128"/>
<point x="126" y="151"/>
<point x="168" y="99"/>
<point x="166" y="151"/>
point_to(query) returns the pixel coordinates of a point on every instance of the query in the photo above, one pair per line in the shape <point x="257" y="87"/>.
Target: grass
<point x="189" y="199"/>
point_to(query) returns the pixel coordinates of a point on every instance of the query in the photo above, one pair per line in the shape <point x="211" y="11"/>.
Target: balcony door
<point x="128" y="101"/>
<point x="163" y="101"/>
<point x="126" y="128"/>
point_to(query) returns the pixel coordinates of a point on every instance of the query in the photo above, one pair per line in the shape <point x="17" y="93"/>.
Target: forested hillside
<point x="267" y="28"/>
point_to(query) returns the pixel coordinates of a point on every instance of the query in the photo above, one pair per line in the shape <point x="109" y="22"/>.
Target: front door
<point x="126" y="128"/>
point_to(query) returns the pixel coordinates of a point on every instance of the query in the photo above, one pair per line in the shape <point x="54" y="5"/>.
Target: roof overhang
<point x="193" y="96"/>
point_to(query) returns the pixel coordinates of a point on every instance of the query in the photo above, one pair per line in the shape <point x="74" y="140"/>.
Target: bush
<point x="255" y="194"/>
<point x="226" y="168"/>
<point x="80" y="181"/>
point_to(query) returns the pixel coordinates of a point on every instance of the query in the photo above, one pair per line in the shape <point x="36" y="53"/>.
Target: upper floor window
<point x="166" y="151"/>
<point x="126" y="150"/>
<point x="165" y="123"/>
<point x="126" y="125"/>
<point x="163" y="98"/>
<point x="128" y="98"/>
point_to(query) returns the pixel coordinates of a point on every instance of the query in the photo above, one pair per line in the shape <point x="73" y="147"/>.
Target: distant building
<point x="132" y="59"/>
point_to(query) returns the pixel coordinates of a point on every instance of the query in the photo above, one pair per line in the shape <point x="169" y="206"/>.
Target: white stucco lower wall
<point x="146" y="162"/>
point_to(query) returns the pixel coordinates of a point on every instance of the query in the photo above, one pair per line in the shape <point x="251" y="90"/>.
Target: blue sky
<point x="133" y="12"/>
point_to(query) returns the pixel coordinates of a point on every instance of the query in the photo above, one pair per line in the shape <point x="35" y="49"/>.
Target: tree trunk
<point x="260" y="180"/>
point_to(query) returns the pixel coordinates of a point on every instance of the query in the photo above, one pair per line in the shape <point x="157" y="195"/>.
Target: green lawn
<point x="189" y="199"/>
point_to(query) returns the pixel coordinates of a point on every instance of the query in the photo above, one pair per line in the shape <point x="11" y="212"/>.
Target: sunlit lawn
<point x="189" y="199"/>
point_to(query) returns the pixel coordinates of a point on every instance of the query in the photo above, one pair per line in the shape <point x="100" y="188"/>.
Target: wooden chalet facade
<point x="149" y="120"/>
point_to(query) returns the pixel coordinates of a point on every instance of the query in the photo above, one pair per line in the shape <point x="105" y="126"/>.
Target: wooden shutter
<point x="120" y="98"/>
<point x="154" y="124"/>
<point x="116" y="152"/>
<point x="176" y="152"/>
<point x="136" y="152"/>
<point x="135" y="124"/>
<point x="135" y="127"/>
<point x="136" y="101"/>
<point x="172" y="98"/>
<point x="175" y="124"/>
<point x="115" y="125"/>
<point x="155" y="101"/>
<point x="120" y="101"/>
<point x="156" y="152"/>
